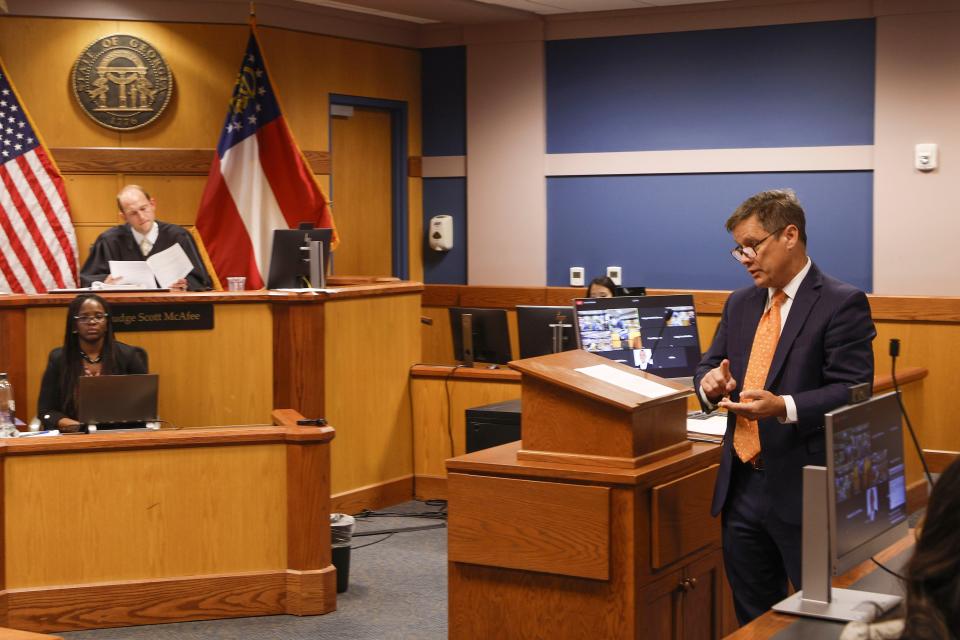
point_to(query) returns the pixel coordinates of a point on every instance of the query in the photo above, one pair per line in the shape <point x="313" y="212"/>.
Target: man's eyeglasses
<point x="94" y="319"/>
<point x="742" y="254"/>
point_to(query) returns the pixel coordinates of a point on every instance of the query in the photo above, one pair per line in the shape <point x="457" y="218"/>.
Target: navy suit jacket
<point x="824" y="348"/>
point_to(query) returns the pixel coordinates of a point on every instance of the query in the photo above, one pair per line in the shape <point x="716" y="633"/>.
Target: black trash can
<point x="341" y="533"/>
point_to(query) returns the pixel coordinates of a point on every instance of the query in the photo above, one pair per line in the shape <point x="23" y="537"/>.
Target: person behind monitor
<point x="139" y="237"/>
<point x="932" y="575"/>
<point x="786" y="351"/>
<point x="601" y="287"/>
<point x="88" y="350"/>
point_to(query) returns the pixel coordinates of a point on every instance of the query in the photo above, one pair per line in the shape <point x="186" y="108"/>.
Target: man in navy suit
<point x="776" y="427"/>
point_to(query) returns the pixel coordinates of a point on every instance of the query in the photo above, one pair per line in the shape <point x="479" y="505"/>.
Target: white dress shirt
<point x="151" y="236"/>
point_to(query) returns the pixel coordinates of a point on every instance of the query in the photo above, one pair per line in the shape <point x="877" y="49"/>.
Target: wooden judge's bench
<point x="596" y="524"/>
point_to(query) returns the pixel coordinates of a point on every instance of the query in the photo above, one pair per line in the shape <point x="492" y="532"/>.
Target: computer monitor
<point x="853" y="508"/>
<point x="654" y="333"/>
<point x="290" y="258"/>
<point x="536" y="333"/>
<point x="630" y="291"/>
<point x="488" y="334"/>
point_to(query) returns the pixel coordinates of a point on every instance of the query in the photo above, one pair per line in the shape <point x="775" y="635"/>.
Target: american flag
<point x="38" y="248"/>
<point x="259" y="180"/>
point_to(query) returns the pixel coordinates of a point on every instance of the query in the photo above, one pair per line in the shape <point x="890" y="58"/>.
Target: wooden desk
<point x="123" y="529"/>
<point x="344" y="356"/>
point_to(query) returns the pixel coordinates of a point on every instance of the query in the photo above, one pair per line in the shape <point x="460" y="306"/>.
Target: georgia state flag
<point x="259" y="180"/>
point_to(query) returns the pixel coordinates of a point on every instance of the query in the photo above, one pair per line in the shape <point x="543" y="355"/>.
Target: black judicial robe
<point x="118" y="243"/>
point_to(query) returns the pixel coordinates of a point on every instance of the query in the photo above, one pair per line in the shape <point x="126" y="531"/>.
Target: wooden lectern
<point x="596" y="524"/>
<point x="571" y="417"/>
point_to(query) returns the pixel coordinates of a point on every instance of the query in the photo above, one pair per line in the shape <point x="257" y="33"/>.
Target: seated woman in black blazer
<point x="88" y="350"/>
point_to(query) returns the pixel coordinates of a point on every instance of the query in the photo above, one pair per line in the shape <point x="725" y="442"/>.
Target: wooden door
<point x="361" y="193"/>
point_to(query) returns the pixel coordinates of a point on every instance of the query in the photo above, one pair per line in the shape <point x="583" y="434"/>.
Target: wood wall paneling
<point x="139" y="602"/>
<point x="433" y="413"/>
<point x="373" y="496"/>
<point x="163" y="161"/>
<point x="13" y="356"/>
<point x="158" y="529"/>
<point x="370" y="345"/>
<point x="39" y="55"/>
<point x="298" y="353"/>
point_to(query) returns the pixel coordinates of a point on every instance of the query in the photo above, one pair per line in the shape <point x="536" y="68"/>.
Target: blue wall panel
<point x="667" y="231"/>
<point x="777" y="86"/>
<point x="444" y="91"/>
<point x="445" y="196"/>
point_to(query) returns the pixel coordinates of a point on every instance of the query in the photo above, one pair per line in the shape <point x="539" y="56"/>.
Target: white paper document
<point x="170" y="265"/>
<point x="133" y="273"/>
<point x="165" y="267"/>
<point x="712" y="426"/>
<point x="627" y="381"/>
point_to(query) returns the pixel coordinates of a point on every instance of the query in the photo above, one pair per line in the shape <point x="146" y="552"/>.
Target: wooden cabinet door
<point x="702" y="587"/>
<point x="661" y="609"/>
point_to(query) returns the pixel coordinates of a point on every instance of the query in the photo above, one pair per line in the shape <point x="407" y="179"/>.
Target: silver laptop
<point x="118" y="402"/>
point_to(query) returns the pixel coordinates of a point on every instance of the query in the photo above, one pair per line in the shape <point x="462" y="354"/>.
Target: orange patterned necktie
<point x="746" y="437"/>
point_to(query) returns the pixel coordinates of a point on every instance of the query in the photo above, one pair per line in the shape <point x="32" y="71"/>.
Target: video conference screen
<point x="870" y="492"/>
<point x="653" y="333"/>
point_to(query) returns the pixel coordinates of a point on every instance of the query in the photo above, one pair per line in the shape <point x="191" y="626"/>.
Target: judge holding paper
<point x="139" y="238"/>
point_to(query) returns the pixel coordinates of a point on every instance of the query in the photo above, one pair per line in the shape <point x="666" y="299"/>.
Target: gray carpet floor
<point x="398" y="589"/>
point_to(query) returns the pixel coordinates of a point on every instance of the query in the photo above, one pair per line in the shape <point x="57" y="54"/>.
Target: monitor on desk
<point x="654" y="333"/>
<point x="853" y="508"/>
<point x="290" y="259"/>
<point x="535" y="329"/>
<point x="480" y="335"/>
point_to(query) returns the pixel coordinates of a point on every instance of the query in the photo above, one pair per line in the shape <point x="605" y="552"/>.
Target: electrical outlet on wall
<point x="576" y="277"/>
<point x="615" y="273"/>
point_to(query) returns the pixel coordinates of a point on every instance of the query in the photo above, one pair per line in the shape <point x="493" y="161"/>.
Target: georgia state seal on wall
<point x="122" y="82"/>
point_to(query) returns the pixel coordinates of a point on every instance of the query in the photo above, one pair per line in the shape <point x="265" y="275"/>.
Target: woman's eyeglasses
<point x="94" y="319"/>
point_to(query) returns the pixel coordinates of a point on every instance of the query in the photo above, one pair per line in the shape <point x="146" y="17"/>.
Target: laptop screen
<point x="654" y="333"/>
<point x="121" y="400"/>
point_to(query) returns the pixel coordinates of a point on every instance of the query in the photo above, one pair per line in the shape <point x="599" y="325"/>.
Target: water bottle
<point x="7" y="406"/>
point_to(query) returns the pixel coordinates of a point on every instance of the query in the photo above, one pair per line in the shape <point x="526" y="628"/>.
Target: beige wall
<point x="506" y="136"/>
<point x="916" y="222"/>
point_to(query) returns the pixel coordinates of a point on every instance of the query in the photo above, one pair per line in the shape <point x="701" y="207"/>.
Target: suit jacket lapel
<point x="807" y="296"/>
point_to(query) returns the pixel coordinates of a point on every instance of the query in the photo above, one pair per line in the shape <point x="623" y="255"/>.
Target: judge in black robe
<point x="118" y="243"/>
<point x="138" y="210"/>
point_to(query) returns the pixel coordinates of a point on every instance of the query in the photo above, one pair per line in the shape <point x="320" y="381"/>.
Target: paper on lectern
<point x="627" y="381"/>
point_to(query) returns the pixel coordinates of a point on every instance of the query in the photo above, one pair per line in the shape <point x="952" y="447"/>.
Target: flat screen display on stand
<point x="290" y="257"/>
<point x="489" y="335"/>
<point x="853" y="508"/>
<point x="535" y="330"/>
<point x="653" y="333"/>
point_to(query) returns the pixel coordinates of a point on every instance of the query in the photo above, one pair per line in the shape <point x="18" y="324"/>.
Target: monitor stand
<point x="818" y="599"/>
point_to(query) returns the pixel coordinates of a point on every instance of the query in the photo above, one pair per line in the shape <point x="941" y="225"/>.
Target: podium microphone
<point x="666" y="318"/>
